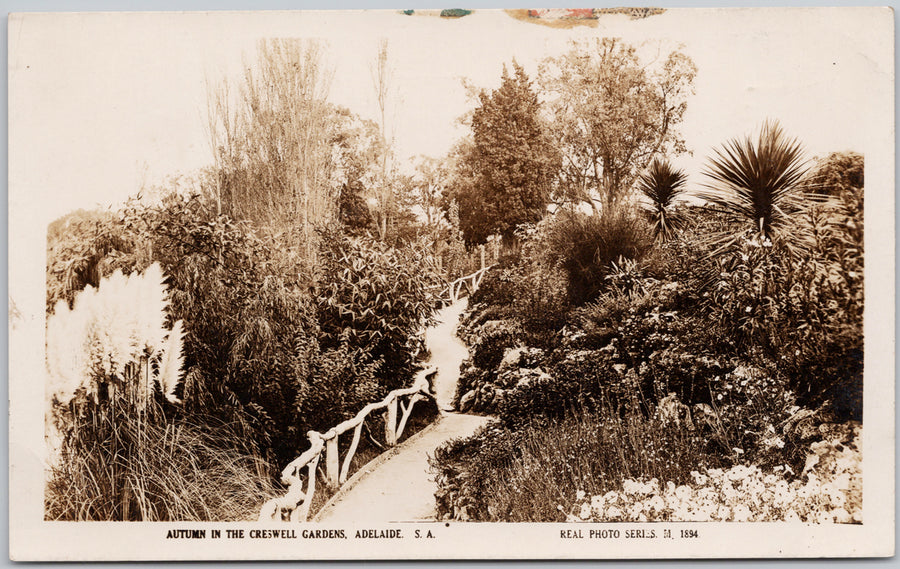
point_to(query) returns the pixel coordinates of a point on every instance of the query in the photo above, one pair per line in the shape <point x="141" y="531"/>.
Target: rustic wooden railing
<point x="470" y="283"/>
<point x="294" y="505"/>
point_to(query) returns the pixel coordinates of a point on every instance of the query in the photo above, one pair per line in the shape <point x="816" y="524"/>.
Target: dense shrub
<point x="83" y="247"/>
<point x="379" y="298"/>
<point x="245" y="312"/>
<point x="805" y="313"/>
<point x="586" y="246"/>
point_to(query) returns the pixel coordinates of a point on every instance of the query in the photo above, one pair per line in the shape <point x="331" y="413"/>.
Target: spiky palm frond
<point x="662" y="184"/>
<point x="758" y="184"/>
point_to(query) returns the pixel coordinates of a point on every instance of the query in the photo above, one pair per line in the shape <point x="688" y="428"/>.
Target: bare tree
<point x="270" y="139"/>
<point x="382" y="76"/>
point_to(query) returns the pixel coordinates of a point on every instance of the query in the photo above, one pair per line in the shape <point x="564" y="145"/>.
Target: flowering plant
<point x="828" y="490"/>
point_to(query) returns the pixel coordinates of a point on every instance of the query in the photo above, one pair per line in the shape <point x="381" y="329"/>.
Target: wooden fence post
<point x="390" y="423"/>
<point x="332" y="471"/>
<point x="481" y="250"/>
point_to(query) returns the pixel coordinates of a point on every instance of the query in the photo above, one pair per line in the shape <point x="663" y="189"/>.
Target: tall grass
<point x="525" y="477"/>
<point x="117" y="448"/>
<point x="113" y="468"/>
<point x="586" y="246"/>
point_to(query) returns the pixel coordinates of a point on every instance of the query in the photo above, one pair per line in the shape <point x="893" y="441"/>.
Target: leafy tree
<point x="511" y="160"/>
<point x="662" y="184"/>
<point x="841" y="177"/>
<point x="82" y="247"/>
<point x="612" y="113"/>
<point x="430" y="181"/>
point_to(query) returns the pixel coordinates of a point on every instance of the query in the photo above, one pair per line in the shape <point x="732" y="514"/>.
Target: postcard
<point x="451" y="284"/>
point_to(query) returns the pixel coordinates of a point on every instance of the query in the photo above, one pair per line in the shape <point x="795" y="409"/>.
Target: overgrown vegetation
<point x="295" y="303"/>
<point x="734" y="340"/>
<point x="640" y="333"/>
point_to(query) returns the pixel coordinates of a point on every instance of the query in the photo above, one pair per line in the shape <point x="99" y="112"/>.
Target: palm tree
<point x="662" y="184"/>
<point x="758" y="185"/>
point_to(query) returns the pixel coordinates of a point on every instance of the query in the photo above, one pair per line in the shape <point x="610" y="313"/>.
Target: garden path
<point x="397" y="486"/>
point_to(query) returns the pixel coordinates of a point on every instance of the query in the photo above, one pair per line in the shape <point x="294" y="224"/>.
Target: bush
<point x="379" y="298"/>
<point x="585" y="246"/>
<point x="804" y="313"/>
<point x="122" y="455"/>
<point x="83" y="247"/>
<point x="246" y="311"/>
<point x="584" y="379"/>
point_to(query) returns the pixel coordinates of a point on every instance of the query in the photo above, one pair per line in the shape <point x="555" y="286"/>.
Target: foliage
<point x="582" y="380"/>
<point x="113" y="469"/>
<point x="283" y="153"/>
<point x="511" y="159"/>
<point x="586" y="246"/>
<point x="612" y="112"/>
<point x="758" y="185"/>
<point x="377" y="297"/>
<point x="806" y="316"/>
<point x="829" y="490"/>
<point x="521" y="475"/>
<point x="244" y="310"/>
<point x="82" y="247"/>
<point x="662" y="184"/>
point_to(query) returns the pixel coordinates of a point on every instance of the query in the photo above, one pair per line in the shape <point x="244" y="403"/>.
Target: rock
<point x="466" y="401"/>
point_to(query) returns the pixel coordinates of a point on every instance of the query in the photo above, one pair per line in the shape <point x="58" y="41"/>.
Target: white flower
<point x="579" y="496"/>
<point x="841" y="516"/>
<point x="585" y="512"/>
<point x="656" y="503"/>
<point x="630" y="486"/>
<point x="613" y="513"/>
<point x="825" y="517"/>
<point x="738" y="472"/>
<point x="699" y="479"/>
<point x="742" y="513"/>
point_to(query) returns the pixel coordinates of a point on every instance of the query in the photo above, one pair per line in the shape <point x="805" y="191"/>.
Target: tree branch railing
<point x="452" y="291"/>
<point x="294" y="505"/>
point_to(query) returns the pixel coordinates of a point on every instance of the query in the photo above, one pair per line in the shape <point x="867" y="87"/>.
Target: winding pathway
<point x="397" y="487"/>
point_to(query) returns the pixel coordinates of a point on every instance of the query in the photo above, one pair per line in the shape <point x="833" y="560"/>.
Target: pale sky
<point x="100" y="103"/>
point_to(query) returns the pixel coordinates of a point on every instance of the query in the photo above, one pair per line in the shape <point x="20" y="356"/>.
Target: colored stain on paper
<point x="571" y="17"/>
<point x="446" y="13"/>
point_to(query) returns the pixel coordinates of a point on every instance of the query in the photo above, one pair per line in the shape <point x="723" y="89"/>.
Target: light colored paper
<point x="100" y="103"/>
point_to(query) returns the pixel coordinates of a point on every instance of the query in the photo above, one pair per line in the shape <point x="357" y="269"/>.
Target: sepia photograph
<point x="451" y="284"/>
